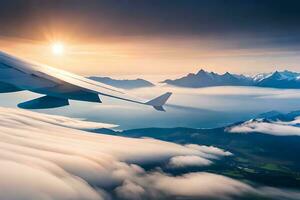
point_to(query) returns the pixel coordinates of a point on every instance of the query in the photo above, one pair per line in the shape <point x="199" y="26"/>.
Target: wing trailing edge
<point x="158" y="102"/>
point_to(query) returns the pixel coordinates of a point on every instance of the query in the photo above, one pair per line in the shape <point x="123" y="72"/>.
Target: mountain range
<point x="277" y="79"/>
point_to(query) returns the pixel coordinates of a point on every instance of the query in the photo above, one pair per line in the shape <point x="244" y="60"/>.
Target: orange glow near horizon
<point x="144" y="56"/>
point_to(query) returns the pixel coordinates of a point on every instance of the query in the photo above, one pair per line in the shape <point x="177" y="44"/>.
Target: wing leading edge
<point x="58" y="86"/>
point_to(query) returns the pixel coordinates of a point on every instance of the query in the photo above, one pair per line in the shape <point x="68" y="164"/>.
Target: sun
<point x="58" y="48"/>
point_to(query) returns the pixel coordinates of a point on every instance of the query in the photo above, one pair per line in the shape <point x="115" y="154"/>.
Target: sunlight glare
<point x="57" y="48"/>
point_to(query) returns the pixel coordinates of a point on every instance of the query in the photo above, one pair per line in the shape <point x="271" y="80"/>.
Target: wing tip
<point x="159" y="101"/>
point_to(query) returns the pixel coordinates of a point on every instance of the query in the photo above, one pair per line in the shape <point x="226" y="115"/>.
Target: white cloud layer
<point x="192" y="185"/>
<point x="46" y="157"/>
<point x="277" y="128"/>
<point x="209" y="150"/>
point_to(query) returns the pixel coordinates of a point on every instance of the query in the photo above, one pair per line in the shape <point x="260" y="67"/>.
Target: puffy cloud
<point x="204" y="158"/>
<point x="193" y="185"/>
<point x="294" y="122"/>
<point x="209" y="150"/>
<point x="186" y="161"/>
<point x="273" y="128"/>
<point x="130" y="190"/>
<point x="200" y="185"/>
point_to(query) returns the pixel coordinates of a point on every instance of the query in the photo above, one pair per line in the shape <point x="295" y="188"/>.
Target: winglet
<point x="158" y="102"/>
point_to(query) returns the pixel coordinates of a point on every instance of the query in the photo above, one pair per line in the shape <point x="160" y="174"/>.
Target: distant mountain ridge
<point x="283" y="79"/>
<point x="278" y="79"/>
<point x="207" y="79"/>
<point x="124" y="84"/>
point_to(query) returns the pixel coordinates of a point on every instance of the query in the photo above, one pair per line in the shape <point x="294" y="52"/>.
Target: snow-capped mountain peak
<point x="279" y="75"/>
<point x="277" y="79"/>
<point x="206" y="79"/>
<point x="261" y="76"/>
<point x="280" y="79"/>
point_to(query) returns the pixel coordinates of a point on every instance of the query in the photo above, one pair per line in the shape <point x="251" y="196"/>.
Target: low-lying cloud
<point x="192" y="185"/>
<point x="47" y="157"/>
<point x="187" y="161"/>
<point x="277" y="128"/>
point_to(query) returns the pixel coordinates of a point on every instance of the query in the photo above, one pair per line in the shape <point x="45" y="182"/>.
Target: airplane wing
<point x="59" y="86"/>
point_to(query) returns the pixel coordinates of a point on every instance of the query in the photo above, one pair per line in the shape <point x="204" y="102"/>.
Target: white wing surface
<point x="58" y="85"/>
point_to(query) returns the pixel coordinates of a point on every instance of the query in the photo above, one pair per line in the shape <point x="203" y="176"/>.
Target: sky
<point x="158" y="37"/>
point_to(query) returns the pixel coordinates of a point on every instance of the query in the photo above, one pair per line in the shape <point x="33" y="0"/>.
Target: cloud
<point x="191" y="185"/>
<point x="158" y="185"/>
<point x="130" y="190"/>
<point x="22" y="181"/>
<point x="277" y="128"/>
<point x="199" y="185"/>
<point x="26" y="117"/>
<point x="205" y="156"/>
<point x="279" y="193"/>
<point x="47" y="157"/>
<point x="209" y="150"/>
<point x="186" y="161"/>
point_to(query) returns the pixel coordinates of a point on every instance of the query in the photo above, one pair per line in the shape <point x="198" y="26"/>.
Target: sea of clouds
<point x="196" y="108"/>
<point x="51" y="157"/>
